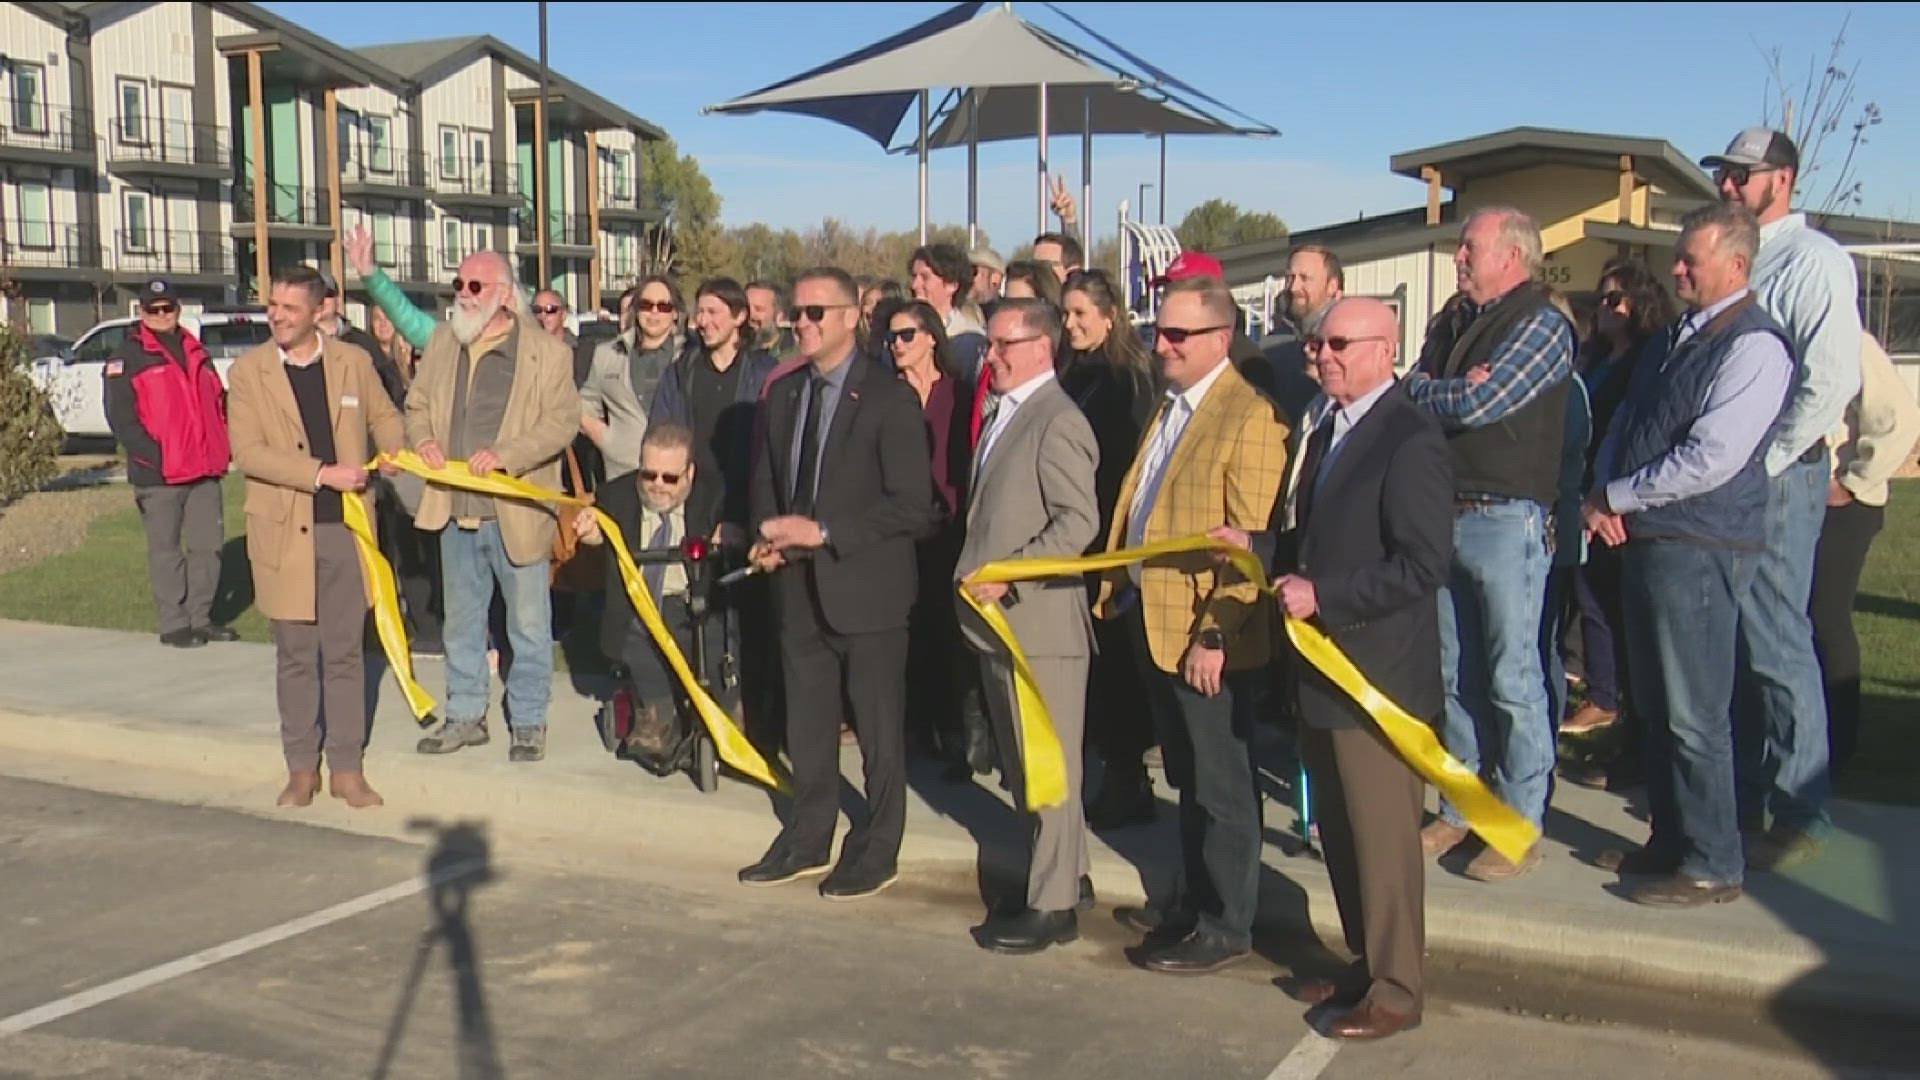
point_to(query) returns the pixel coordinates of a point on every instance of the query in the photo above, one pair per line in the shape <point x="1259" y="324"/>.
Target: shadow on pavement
<point x="458" y="864"/>
<point x="233" y="594"/>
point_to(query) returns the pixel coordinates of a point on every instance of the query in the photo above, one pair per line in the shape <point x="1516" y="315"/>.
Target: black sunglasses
<point x="473" y="286"/>
<point x="549" y="309"/>
<point x="1740" y="174"/>
<point x="649" y="476"/>
<point x="161" y="309"/>
<point x="1613" y="299"/>
<point x="1177" y="335"/>
<point x="1339" y="344"/>
<point x="814" y="312"/>
<point x="906" y="335"/>
<point x="664" y="307"/>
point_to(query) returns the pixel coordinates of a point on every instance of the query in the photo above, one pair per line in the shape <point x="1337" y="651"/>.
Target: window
<point x="233" y="337"/>
<point x="29" y="96"/>
<point x="101" y="344"/>
<point x="347" y="122"/>
<point x="622" y="164"/>
<point x="133" y="112"/>
<point x="449" y="152"/>
<point x="450" y="241"/>
<point x="383" y="252"/>
<point x="39" y="315"/>
<point x="380" y="143"/>
<point x="479" y="140"/>
<point x="482" y="238"/>
<point x="139" y="229"/>
<point x="36" y="214"/>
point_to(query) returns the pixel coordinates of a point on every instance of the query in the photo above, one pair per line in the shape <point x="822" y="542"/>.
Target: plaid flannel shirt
<point x="1533" y="356"/>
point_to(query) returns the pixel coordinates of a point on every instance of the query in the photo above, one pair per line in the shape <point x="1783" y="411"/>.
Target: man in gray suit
<point x="1033" y="497"/>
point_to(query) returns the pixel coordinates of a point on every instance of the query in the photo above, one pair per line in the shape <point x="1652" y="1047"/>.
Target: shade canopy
<point x="1012" y="112"/>
<point x="871" y="90"/>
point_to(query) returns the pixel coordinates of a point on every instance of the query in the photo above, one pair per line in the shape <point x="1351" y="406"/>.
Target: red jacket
<point x="168" y="412"/>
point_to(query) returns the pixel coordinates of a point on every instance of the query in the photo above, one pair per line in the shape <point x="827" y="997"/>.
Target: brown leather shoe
<point x="1369" y="1021"/>
<point x="1440" y="836"/>
<point x="302" y="786"/>
<point x="351" y="788"/>
<point x="1490" y="865"/>
<point x="1588" y="717"/>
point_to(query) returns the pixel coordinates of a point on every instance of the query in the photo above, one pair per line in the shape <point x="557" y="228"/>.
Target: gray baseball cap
<point x="1757" y="147"/>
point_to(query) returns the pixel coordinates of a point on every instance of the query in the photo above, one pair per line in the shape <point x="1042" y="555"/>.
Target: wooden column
<point x="1432" y="176"/>
<point x="333" y="187"/>
<point x="541" y="195"/>
<point x="257" y="100"/>
<point x="593" y="220"/>
<point x="1624" y="215"/>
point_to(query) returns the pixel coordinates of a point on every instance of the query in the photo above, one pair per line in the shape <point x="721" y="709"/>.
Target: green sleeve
<point x="412" y="323"/>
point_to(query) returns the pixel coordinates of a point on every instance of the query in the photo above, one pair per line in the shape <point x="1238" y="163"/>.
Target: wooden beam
<point x="544" y="221"/>
<point x="1432" y="176"/>
<point x="333" y="188"/>
<point x="257" y="101"/>
<point x="593" y="221"/>
<point x="1624" y="215"/>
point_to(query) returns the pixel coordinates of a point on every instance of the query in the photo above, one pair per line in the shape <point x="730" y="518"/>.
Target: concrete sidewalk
<point x="119" y="712"/>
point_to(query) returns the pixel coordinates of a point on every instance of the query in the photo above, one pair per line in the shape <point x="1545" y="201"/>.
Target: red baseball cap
<point x="1191" y="264"/>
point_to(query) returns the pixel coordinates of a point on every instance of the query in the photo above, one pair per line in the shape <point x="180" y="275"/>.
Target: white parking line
<point x="1308" y="1058"/>
<point x="186" y="965"/>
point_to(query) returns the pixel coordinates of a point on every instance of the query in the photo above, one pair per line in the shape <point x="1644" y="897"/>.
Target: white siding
<point x="464" y="99"/>
<point x="33" y="40"/>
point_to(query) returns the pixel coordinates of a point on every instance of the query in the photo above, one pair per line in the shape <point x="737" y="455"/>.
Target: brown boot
<point x="1586" y="718"/>
<point x="351" y="788"/>
<point x="1439" y="837"/>
<point x="302" y="786"/>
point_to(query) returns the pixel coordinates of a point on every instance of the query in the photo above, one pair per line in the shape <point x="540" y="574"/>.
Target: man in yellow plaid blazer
<point x="1214" y="453"/>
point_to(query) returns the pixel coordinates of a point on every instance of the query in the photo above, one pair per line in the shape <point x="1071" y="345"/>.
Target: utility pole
<point x="542" y="196"/>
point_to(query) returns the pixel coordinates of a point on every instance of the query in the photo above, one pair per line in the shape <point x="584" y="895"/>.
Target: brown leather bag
<point x="576" y="567"/>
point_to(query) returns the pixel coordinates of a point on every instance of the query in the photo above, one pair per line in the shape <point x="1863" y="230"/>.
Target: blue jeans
<point x="1498" y="721"/>
<point x="471" y="562"/>
<point x="1680" y="602"/>
<point x="1780" y="714"/>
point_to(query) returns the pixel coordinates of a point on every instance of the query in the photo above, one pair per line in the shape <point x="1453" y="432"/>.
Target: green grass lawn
<point x="104" y="583"/>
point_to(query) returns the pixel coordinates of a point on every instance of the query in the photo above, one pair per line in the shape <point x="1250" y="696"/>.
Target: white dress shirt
<point x="1009" y="403"/>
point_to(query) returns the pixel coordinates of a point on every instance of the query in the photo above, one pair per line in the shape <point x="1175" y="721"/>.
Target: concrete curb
<point x="582" y="802"/>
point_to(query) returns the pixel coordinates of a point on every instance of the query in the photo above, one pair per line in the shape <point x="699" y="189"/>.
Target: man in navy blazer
<point x="1364" y="562"/>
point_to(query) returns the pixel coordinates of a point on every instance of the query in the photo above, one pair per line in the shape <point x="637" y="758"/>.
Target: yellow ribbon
<point x="1502" y="827"/>
<point x="728" y="740"/>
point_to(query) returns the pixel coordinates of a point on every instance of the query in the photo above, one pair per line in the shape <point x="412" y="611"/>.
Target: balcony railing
<point x="286" y="205"/>
<point x="146" y="251"/>
<point x="45" y="245"/>
<point x="407" y="262"/>
<point x="571" y="229"/>
<point x="466" y="176"/>
<point x="640" y="195"/>
<point x="31" y="123"/>
<point x="393" y="168"/>
<point x="151" y="141"/>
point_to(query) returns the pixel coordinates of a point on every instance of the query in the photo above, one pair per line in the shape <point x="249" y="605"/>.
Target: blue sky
<point x="1348" y="86"/>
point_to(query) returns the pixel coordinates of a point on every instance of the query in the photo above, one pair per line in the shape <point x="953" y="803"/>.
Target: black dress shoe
<point x="1156" y="923"/>
<point x="1028" y="932"/>
<point x="1199" y="953"/>
<point x="1370" y="1021"/>
<point x="218" y="633"/>
<point x="779" y="867"/>
<point x="182" y="639"/>
<point x="856" y="883"/>
<point x="1681" y="890"/>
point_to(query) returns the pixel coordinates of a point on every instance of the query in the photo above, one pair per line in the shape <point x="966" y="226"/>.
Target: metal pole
<point x="1046" y="188"/>
<point x="1086" y="173"/>
<point x="1163" y="181"/>
<point x="1144" y="185"/>
<point x="923" y="167"/>
<point x="540" y="182"/>
<point x="973" y="169"/>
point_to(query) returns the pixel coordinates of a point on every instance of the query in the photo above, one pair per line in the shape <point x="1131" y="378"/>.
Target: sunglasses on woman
<point x="1177" y="335"/>
<point x="907" y="335"/>
<point x="1613" y="299"/>
<point x="649" y="476"/>
<point x="663" y="307"/>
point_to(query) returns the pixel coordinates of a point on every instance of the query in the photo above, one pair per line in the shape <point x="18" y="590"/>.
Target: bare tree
<point x="1815" y="110"/>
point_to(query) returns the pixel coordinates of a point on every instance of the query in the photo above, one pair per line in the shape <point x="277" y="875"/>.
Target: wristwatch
<point x="826" y="538"/>
<point x="1211" y="639"/>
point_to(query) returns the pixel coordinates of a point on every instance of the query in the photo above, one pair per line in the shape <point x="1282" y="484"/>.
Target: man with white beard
<point x="495" y="390"/>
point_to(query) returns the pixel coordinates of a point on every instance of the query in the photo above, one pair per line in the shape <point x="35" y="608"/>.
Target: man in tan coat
<point x="496" y="391"/>
<point x="301" y="410"/>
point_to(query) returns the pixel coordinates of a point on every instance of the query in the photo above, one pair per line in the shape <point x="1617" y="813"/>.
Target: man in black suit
<point x="1365" y="561"/>
<point x="842" y="486"/>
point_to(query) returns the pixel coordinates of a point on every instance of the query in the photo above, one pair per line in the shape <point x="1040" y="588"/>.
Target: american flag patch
<point x="115" y="367"/>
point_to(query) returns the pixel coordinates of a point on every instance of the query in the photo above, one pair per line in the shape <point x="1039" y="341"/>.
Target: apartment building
<point x="127" y="136"/>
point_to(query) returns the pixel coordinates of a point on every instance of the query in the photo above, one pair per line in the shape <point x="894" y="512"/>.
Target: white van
<point x="74" y="384"/>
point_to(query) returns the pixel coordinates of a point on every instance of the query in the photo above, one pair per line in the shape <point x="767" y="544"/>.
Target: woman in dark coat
<point x="1107" y="371"/>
